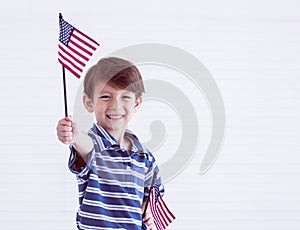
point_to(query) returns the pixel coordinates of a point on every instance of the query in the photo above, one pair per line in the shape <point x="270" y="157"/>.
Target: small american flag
<point x="162" y="216"/>
<point x="74" y="48"/>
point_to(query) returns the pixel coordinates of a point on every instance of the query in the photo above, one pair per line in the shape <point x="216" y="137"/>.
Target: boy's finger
<point x="69" y="118"/>
<point x="149" y="223"/>
<point x="65" y="122"/>
<point x="64" y="128"/>
<point x="64" y="134"/>
<point x="147" y="219"/>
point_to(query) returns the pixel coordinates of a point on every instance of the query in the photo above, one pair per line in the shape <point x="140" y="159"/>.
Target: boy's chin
<point x="115" y="126"/>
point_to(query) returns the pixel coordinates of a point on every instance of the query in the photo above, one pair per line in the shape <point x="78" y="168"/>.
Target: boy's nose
<point x="115" y="104"/>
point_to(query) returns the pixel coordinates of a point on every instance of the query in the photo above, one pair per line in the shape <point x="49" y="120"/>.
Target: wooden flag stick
<point x="65" y="91"/>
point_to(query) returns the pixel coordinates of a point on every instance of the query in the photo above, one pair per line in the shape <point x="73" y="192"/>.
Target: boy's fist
<point x="66" y="130"/>
<point x="68" y="133"/>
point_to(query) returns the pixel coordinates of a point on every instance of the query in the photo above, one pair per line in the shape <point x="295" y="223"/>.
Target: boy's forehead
<point x="102" y="87"/>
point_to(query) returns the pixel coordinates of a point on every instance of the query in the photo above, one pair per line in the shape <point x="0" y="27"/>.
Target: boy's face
<point x="113" y="107"/>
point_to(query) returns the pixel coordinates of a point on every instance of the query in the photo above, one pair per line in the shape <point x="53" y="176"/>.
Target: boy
<point x="114" y="171"/>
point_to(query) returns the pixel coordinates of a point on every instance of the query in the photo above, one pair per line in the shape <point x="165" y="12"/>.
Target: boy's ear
<point x="138" y="103"/>
<point x="88" y="104"/>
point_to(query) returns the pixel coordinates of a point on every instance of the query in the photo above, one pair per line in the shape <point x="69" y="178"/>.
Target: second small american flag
<point x="162" y="215"/>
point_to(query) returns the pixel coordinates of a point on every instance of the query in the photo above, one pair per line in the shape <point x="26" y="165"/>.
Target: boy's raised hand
<point x="66" y="130"/>
<point x="67" y="133"/>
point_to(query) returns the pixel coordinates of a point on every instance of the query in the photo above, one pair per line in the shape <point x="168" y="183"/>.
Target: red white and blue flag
<point x="161" y="214"/>
<point x="74" y="48"/>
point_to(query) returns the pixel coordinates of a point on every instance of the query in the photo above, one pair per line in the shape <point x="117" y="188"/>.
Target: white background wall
<point x="252" y="50"/>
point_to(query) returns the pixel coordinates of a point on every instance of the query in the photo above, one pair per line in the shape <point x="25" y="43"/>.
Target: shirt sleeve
<point x="77" y="165"/>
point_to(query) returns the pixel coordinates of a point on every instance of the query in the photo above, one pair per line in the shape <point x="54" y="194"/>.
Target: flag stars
<point x="65" y="32"/>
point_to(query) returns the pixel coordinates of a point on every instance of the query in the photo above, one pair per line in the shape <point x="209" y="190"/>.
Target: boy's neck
<point x="119" y="136"/>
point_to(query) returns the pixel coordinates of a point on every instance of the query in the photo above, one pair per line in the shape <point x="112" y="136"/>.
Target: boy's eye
<point x="126" y="97"/>
<point x="105" y="97"/>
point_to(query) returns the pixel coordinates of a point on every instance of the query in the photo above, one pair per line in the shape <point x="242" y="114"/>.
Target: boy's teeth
<point x="115" y="116"/>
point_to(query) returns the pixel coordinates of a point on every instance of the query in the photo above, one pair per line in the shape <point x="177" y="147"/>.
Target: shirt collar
<point x="136" y="144"/>
<point x="109" y="141"/>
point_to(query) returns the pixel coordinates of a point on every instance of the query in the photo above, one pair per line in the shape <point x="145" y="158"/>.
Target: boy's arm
<point x="68" y="134"/>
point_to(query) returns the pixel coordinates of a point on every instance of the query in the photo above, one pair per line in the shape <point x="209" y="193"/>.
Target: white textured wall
<point x="251" y="48"/>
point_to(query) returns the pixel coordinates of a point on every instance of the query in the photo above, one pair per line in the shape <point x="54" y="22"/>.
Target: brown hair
<point x="116" y="72"/>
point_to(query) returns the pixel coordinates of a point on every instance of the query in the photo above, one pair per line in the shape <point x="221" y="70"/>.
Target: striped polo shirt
<point x="114" y="183"/>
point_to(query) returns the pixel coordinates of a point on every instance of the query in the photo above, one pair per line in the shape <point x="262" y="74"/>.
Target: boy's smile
<point x="113" y="108"/>
<point x="115" y="116"/>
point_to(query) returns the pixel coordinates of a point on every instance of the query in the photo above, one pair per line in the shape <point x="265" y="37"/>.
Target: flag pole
<point x="64" y="78"/>
<point x="65" y="91"/>
<point x="148" y="198"/>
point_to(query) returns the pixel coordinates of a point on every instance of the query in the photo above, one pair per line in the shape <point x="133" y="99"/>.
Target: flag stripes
<point x="68" y="54"/>
<point x="162" y="216"/>
<point x="75" y="48"/>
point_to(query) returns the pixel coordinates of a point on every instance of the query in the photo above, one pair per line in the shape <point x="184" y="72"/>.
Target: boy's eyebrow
<point x="104" y="92"/>
<point x="110" y="92"/>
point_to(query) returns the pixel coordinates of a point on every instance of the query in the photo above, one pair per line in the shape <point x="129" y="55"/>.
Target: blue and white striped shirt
<point x="114" y="183"/>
